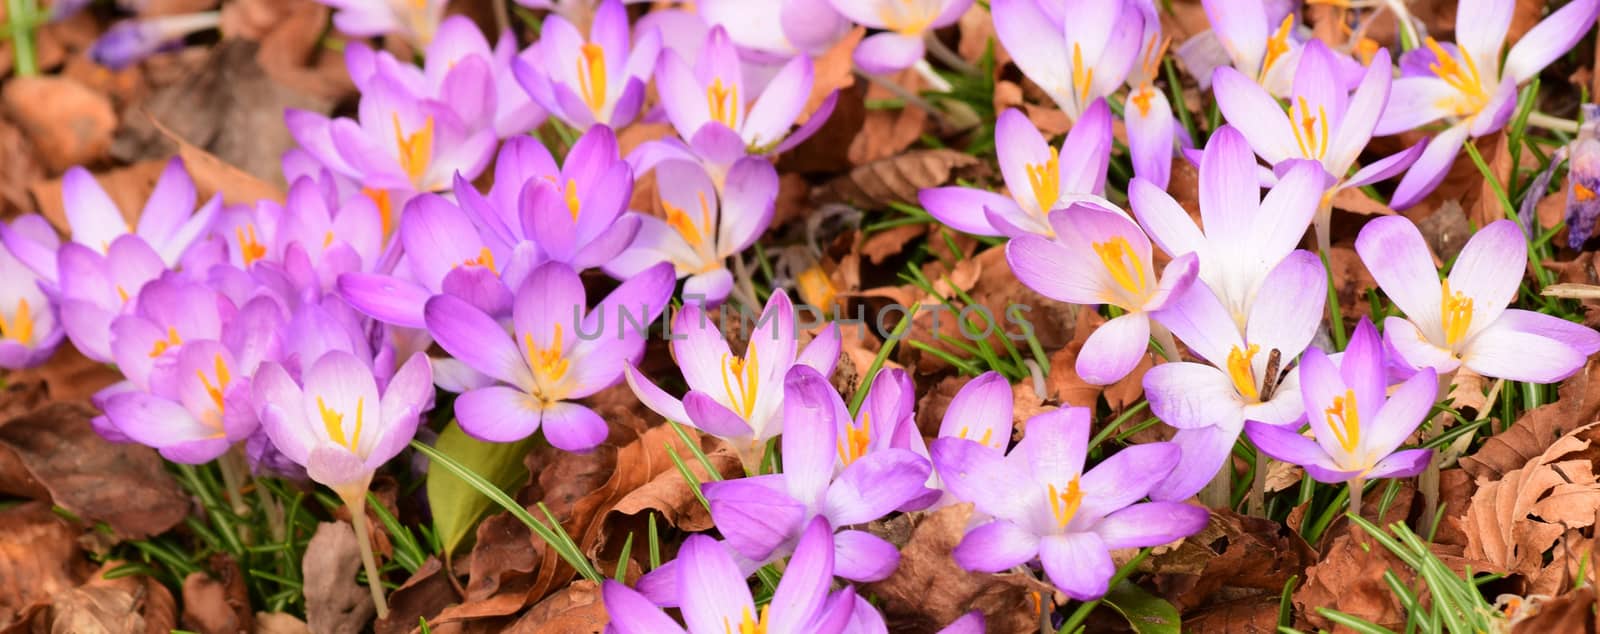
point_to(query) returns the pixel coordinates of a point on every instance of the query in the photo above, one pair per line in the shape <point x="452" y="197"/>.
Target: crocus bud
<point x="129" y="41"/>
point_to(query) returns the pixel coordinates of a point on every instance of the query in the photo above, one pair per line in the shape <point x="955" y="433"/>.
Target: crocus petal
<point x="812" y="413"/>
<point x="780" y="104"/>
<point x="1489" y="270"/>
<point x="1114" y="349"/>
<point x="1430" y="168"/>
<point x="476" y="339"/>
<point x="1205" y="450"/>
<point x="863" y="557"/>
<point x="1511" y="350"/>
<point x="805" y="584"/>
<point x="1192" y="395"/>
<point x="969" y="623"/>
<point x="1361" y="116"/>
<point x="1285" y="445"/>
<point x="1078" y="563"/>
<point x="961" y="208"/>
<point x="748" y="197"/>
<point x="709" y="416"/>
<point x="1405" y="410"/>
<point x="1414" y="348"/>
<point x="1021" y="25"/>
<point x="888" y="52"/>
<point x="1126" y="477"/>
<point x="981" y="411"/>
<point x="1151" y="133"/>
<point x="1151" y="524"/>
<point x="631" y="613"/>
<point x="497" y="414"/>
<point x="1086" y="151"/>
<point x="1055" y="444"/>
<point x="1385" y="168"/>
<point x="654" y="397"/>
<point x="1549" y="39"/>
<point x="754" y="514"/>
<point x="1394" y="252"/>
<point x="1056" y="270"/>
<point x="994" y="547"/>
<point x="1254" y="113"/>
<point x="1229" y="189"/>
<point x="1170" y="227"/>
<point x="874" y="485"/>
<point x="1401" y="464"/>
<point x="573" y="427"/>
<point x="978" y="474"/>
<point x="713" y="588"/>
<point x="1288" y="309"/>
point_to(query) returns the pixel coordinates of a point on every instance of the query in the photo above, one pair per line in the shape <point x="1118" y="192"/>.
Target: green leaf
<point x="1147" y="613"/>
<point x="456" y="504"/>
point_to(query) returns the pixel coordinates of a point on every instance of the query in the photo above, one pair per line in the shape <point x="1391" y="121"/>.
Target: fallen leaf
<point x="977" y="32"/>
<point x="279" y="623"/>
<point x="576" y="609"/>
<point x="833" y="70"/>
<point x="217" y="604"/>
<point x="335" y="602"/>
<point x="39" y="559"/>
<point x="424" y="595"/>
<point x="888" y="131"/>
<point x="125" y="604"/>
<point x="1578" y="404"/>
<point x="670" y="496"/>
<point x="1350" y="578"/>
<point x="456" y="505"/>
<point x="1446" y="230"/>
<point x="1235" y="554"/>
<point x="1512" y="521"/>
<point x="1256" y="614"/>
<point x="212" y="175"/>
<point x="895" y="179"/>
<point x="884" y="244"/>
<point x="1570" y="612"/>
<point x="68" y="123"/>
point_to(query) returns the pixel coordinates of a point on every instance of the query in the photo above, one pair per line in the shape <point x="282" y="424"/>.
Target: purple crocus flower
<point x="1262" y="46"/>
<point x="722" y="116"/>
<point x="29" y="328"/>
<point x="1039" y="177"/>
<point x="414" y="20"/>
<point x="169" y="312"/>
<point x="1152" y="130"/>
<point x="884" y="422"/>
<point x="169" y="223"/>
<point x="1245" y="234"/>
<point x="1468" y="86"/>
<point x="1046" y="507"/>
<point x="1583" y="172"/>
<point x="1359" y="428"/>
<point x="1464" y="320"/>
<point x="557" y="351"/>
<point x="1323" y="124"/>
<point x="904" y="24"/>
<point x="762" y="517"/>
<point x="600" y="79"/>
<point x="981" y="411"/>
<point x="717" y="598"/>
<point x="129" y="41"/>
<point x="313" y="236"/>
<point x="705" y="224"/>
<point x="804" y="27"/>
<point x="1099" y="256"/>
<point x="736" y="398"/>
<point x="1078" y="51"/>
<point x="1247" y="373"/>
<point x="96" y="288"/>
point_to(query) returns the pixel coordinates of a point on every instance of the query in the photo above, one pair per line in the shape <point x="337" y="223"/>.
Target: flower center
<point x="548" y="364"/>
<point x="333" y="422"/>
<point x="723" y="102"/>
<point x="1141" y="99"/>
<point x="1455" y="314"/>
<point x="1082" y="75"/>
<point x="748" y="624"/>
<point x="740" y="379"/>
<point x="592" y="77"/>
<point x="1344" y="421"/>
<point x="214" y="390"/>
<point x="692" y="232"/>
<point x="250" y="248"/>
<point x="1277" y="45"/>
<point x="20" y="327"/>
<point x="988" y="434"/>
<point x="1064" y="505"/>
<point x="907" y="17"/>
<point x="163" y="345"/>
<point x="1117" y="256"/>
<point x="415" y="149"/>
<point x="1045" y="179"/>
<point x="573" y="203"/>
<point x="1311" y="130"/>
<point x="385" y="204"/>
<point x="855" y="441"/>
<point x="1243" y="373"/>
<point x="1462" y="76"/>
<point x="485" y="259"/>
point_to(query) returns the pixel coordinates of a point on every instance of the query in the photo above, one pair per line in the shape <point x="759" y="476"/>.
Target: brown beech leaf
<point x="123" y="485"/>
<point x="895" y="179"/>
<point x="39" y="559"/>
<point x="1533" y="433"/>
<point x="1233" y="552"/>
<point x="424" y="595"/>
<point x="218" y="602"/>
<point x="279" y="623"/>
<point x="69" y="123"/>
<point x="1349" y="578"/>
<point x="884" y="244"/>
<point x="212" y="175"/>
<point x="1357" y="202"/>
<point x="335" y="602"/>
<point x="670" y="496"/>
<point x="1446" y="229"/>
<point x="888" y="131"/>
<point x="576" y="609"/>
<point x="1512" y="521"/>
<point x="834" y="71"/>
<point x="1570" y="612"/>
<point x="928" y="590"/>
<point x="125" y="604"/>
<point x="1256" y="614"/>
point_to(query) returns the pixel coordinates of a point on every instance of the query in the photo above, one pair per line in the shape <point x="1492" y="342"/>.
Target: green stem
<point x="1356" y="485"/>
<point x="356" y="501"/>
<point x="21" y="23"/>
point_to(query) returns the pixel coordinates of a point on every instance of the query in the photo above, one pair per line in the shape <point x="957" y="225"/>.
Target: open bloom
<point x="558" y="351"/>
<point x="981" y="411"/>
<point x="705" y="224"/>
<point x="1039" y="177"/>
<point x="1046" y="507"/>
<point x="1468" y="86"/>
<point x="804" y="27"/>
<point x="1078" y="51"/>
<point x="335" y="423"/>
<point x="1247" y="374"/>
<point x="599" y="79"/>
<point x="763" y="517"/>
<point x="414" y="20"/>
<point x="736" y="397"/>
<point x="1357" y="429"/>
<point x="1264" y="48"/>
<point x="1099" y="256"/>
<point x="716" y="595"/>
<point x="313" y="236"/>
<point x="29" y="329"/>
<point x="1323" y="123"/>
<point x="904" y="24"/>
<point x="1245" y="234"/>
<point x="1152" y="130"/>
<point x="1463" y="320"/>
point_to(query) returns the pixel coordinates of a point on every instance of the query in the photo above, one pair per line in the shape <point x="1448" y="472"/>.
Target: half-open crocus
<point x="1463" y="320"/>
<point x="1323" y="123"/>
<point x="1245" y="234"/>
<point x="1078" y="51"/>
<point x="1248" y="376"/>
<point x="1038" y="177"/>
<point x="733" y="397"/>
<point x="169" y="223"/>
<point x="1468" y="86"/>
<point x="904" y="24"/>
<point x="716" y="596"/>
<point x="338" y="426"/>
<point x="558" y="351"/>
<point x="29" y="329"/>
<point x="981" y="411"/>
<point x="414" y="20"/>
<point x="1046" y="507"/>
<point x="1263" y="49"/>
<point x="1357" y="428"/>
<point x="1152" y="131"/>
<point x="703" y="227"/>
<point x="599" y="79"/>
<point x="762" y="517"/>
<point x="129" y="41"/>
<point x="1099" y="256"/>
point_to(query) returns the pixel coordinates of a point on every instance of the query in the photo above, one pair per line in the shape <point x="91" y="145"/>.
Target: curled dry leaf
<point x="335" y="602"/>
<point x="1257" y="614"/>
<point x="670" y="496"/>
<point x="69" y="123"/>
<point x="124" y="486"/>
<point x="895" y="179"/>
<point x="1349" y="578"/>
<point x="1233" y="555"/>
<point x="126" y="604"/>
<point x="279" y="623"/>
<point x="1533" y="433"/>
<point x="39" y="559"/>
<point x="1514" y="520"/>
<point x="834" y="70"/>
<point x="218" y="602"/>
<point x="424" y="595"/>
<point x="576" y="609"/>
<point x="1570" y="612"/>
<point x="888" y="131"/>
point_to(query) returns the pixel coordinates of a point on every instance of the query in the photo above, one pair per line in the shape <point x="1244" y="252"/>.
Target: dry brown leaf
<point x="1357" y="202"/>
<point x="888" y="131"/>
<point x="279" y="623"/>
<point x="424" y="595"/>
<point x="1570" y="612"/>
<point x="576" y="609"/>
<point x="219" y="602"/>
<point x="1446" y="230"/>
<point x="1234" y="553"/>
<point x="1250" y="615"/>
<point x="884" y="244"/>
<point x="125" y="604"/>
<point x="834" y="70"/>
<point x="670" y="496"/>
<point x="335" y="602"/>
<point x="69" y="123"/>
<point x="1511" y="522"/>
<point x="977" y="31"/>
<point x="124" y="485"/>
<point x="896" y="179"/>
<point x="212" y="175"/>
<point x="1349" y="578"/>
<point x="1351" y="283"/>
<point x="39" y="559"/>
<point x="20" y="169"/>
<point x="1533" y="433"/>
<point x="928" y="590"/>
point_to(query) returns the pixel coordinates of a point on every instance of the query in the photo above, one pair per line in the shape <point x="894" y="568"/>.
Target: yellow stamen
<point x="854" y="443"/>
<point x="1366" y="48"/>
<point x="1466" y="80"/>
<point x="988" y="434"/>
<point x="215" y="390"/>
<point x="592" y="77"/>
<point x="1141" y="98"/>
<point x="1582" y="193"/>
<point x="1277" y="45"/>
<point x="573" y="203"/>
<point x="1082" y="76"/>
<point x="910" y="18"/>
<point x="1117" y="256"/>
<point x="1045" y="178"/>
<point x="1153" y="54"/>
<point x="1243" y="373"/>
<point x="416" y="149"/>
<point x="250" y="247"/>
<point x="548" y="364"/>
<point x="385" y="203"/>
<point x="1310" y="131"/>
<point x="1065" y="505"/>
<point x="163" y="345"/>
<point x="1455" y="314"/>
<point x="327" y="239"/>
<point x="693" y="233"/>
<point x="1347" y="429"/>
<point x="723" y="103"/>
<point x="485" y="259"/>
<point x="122" y="293"/>
<point x="749" y="623"/>
<point x="333" y="422"/>
<point x="20" y="327"/>
<point x="746" y="376"/>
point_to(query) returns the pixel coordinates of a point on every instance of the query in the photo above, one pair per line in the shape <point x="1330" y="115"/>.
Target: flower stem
<point x="1219" y="492"/>
<point x="1356" y="485"/>
<point x="356" y="501"/>
<point x="233" y="475"/>
<point x="1428" y="480"/>
<point x="1556" y="124"/>
<point x="1163" y="337"/>
<point x="948" y="57"/>
<point x="1258" y="487"/>
<point x="21" y="14"/>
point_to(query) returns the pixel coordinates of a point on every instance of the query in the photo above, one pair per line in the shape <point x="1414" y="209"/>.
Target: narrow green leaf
<point x="1147" y="613"/>
<point x="457" y="505"/>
